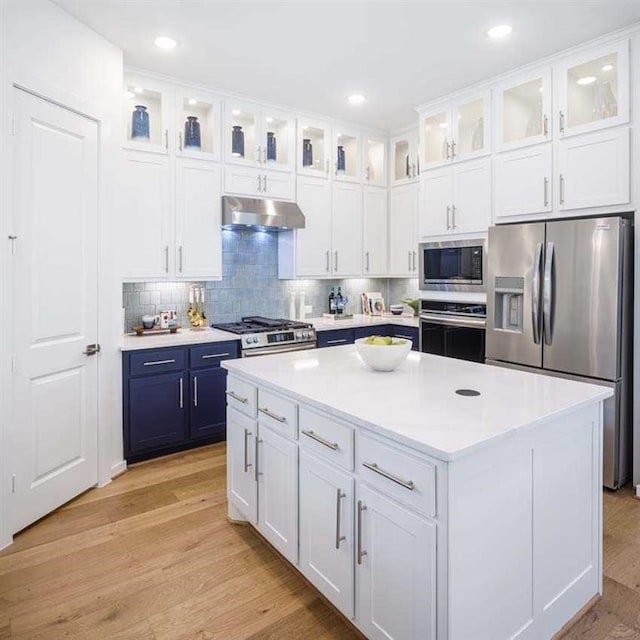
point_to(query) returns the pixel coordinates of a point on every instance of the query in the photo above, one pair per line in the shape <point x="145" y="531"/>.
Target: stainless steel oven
<point x="453" y="265"/>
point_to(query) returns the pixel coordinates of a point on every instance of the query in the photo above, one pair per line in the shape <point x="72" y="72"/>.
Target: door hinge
<point x="13" y="483"/>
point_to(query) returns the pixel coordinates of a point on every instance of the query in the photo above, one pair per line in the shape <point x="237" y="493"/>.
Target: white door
<point x="471" y="208"/>
<point x="145" y="200"/>
<point x="594" y="169"/>
<point x="435" y="213"/>
<point x="278" y="492"/>
<point x="326" y="530"/>
<point x="55" y="305"/>
<point x="242" y="488"/>
<point x="403" y="231"/>
<point x="347" y="229"/>
<point x="279" y="185"/>
<point x="523" y="182"/>
<point x="375" y="232"/>
<point x="313" y="243"/>
<point x="198" y="220"/>
<point x="395" y="570"/>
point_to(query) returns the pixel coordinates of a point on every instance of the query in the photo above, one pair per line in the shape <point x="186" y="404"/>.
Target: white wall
<point x="46" y="51"/>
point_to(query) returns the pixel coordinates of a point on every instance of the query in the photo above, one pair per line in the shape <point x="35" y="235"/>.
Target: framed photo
<point x="377" y="306"/>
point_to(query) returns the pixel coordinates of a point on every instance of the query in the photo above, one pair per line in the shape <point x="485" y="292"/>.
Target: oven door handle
<point x="263" y="351"/>
<point x="471" y="323"/>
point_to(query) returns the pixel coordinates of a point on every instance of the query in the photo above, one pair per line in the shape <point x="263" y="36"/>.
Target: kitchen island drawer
<point x="335" y="337"/>
<point x="407" y="478"/>
<point x="242" y="396"/>
<point x="155" y="361"/>
<point x="211" y="355"/>
<point x="327" y="437"/>
<point x="278" y="412"/>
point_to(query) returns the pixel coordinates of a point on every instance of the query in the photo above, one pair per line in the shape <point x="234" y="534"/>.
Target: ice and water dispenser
<point x="509" y="303"/>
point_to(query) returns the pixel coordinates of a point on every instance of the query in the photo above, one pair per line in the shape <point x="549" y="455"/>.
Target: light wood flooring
<point x="151" y="556"/>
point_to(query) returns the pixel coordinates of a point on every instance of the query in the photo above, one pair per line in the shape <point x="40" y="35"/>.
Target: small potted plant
<point x="414" y="303"/>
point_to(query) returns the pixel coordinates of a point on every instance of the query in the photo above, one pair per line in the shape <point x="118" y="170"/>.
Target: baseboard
<point x="118" y="468"/>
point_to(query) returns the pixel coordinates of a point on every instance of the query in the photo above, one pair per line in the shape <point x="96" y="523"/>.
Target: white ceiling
<point x="312" y="54"/>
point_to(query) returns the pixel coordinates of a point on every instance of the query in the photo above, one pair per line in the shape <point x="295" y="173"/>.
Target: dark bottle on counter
<point x="339" y="302"/>
<point x="332" y="301"/>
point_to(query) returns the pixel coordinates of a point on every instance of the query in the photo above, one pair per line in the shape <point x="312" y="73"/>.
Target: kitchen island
<point x="421" y="513"/>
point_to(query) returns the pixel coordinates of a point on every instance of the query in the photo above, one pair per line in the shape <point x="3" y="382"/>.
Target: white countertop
<point x="187" y="337"/>
<point x="417" y="404"/>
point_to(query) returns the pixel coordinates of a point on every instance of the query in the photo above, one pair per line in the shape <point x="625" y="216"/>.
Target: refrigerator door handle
<point x="535" y="294"/>
<point x="547" y="296"/>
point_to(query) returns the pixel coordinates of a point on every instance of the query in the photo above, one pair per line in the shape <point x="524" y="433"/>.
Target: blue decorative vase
<point x="237" y="142"/>
<point x="192" y="133"/>
<point x="307" y="153"/>
<point x="271" y="146"/>
<point x="341" y="159"/>
<point x="140" y="123"/>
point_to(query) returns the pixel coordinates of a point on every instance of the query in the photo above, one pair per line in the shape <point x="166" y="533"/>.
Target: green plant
<point x="414" y="303"/>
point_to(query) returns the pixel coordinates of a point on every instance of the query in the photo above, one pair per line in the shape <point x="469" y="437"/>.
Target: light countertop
<point x="417" y="404"/>
<point x="186" y="337"/>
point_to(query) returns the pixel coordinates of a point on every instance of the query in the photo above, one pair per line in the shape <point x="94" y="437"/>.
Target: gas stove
<point x="268" y="335"/>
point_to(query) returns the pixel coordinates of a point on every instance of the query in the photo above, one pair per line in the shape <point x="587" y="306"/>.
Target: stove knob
<point x="255" y="339"/>
<point x="307" y="334"/>
<point x="299" y="334"/>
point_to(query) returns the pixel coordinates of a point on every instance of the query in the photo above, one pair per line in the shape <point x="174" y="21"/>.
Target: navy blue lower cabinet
<point x="335" y="337"/>
<point x="208" y="405"/>
<point x="410" y="333"/>
<point x="375" y="330"/>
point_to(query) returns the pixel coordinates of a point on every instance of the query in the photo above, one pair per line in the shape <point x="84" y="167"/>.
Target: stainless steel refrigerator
<point x="559" y="302"/>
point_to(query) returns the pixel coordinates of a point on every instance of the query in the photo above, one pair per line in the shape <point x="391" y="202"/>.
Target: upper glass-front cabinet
<point x="404" y="160"/>
<point x="314" y="144"/>
<point x="198" y="125"/>
<point x="346" y="155"/>
<point x="259" y="136"/>
<point x="522" y="110"/>
<point x="593" y="90"/>
<point x="374" y="169"/>
<point x="436" y="137"/>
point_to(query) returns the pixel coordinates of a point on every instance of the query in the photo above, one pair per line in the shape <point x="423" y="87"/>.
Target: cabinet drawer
<point x="211" y="355"/>
<point x="401" y="475"/>
<point x="335" y="337"/>
<point x="152" y="362"/>
<point x="408" y="333"/>
<point x="242" y="396"/>
<point x="326" y="437"/>
<point x="279" y="413"/>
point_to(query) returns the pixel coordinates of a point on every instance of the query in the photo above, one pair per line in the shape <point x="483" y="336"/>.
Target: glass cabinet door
<point x="346" y="156"/>
<point x="471" y="124"/>
<point x="523" y="109"/>
<point x="277" y="145"/>
<point x="436" y="138"/>
<point x="241" y="134"/>
<point x="404" y="159"/>
<point x="313" y="148"/>
<point x="374" y="168"/>
<point x="593" y="90"/>
<point x="147" y="106"/>
<point x="198" y="125"/>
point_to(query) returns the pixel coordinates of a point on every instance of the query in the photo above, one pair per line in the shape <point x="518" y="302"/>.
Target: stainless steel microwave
<point x="453" y="265"/>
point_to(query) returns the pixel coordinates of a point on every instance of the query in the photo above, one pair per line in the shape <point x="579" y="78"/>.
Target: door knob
<point x="91" y="349"/>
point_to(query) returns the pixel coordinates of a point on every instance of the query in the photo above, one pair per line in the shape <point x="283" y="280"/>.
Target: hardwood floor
<point x="151" y="556"/>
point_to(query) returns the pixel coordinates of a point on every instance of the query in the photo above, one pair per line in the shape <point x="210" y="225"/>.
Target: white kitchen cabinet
<point x="404" y="159"/>
<point x="435" y="136"/>
<point x="375" y="234"/>
<point x="326" y="530"/>
<point x="374" y="161"/>
<point x="347" y="144"/>
<point x="242" y="488"/>
<point x="592" y="89"/>
<point x="395" y="570"/>
<point x="403" y="231"/>
<point x="593" y="169"/>
<point x="207" y="108"/>
<point x="267" y="135"/>
<point x="314" y="154"/>
<point x="456" y="199"/>
<point x="259" y="183"/>
<point x="523" y="181"/>
<point x="346" y="230"/>
<point x="522" y="110"/>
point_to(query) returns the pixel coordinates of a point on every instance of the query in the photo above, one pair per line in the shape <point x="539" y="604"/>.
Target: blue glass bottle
<point x="140" y="123"/>
<point x="271" y="146"/>
<point x="341" y="159"/>
<point x="192" y="133"/>
<point x="237" y="142"/>
<point x="307" y="152"/>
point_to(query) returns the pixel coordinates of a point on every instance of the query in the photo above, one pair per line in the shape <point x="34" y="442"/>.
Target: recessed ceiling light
<point x="500" y="31"/>
<point x="236" y="112"/>
<point x="540" y="89"/>
<point x="193" y="102"/>
<point x="607" y="67"/>
<point x="356" y="98"/>
<point x="138" y="90"/>
<point x="166" y="43"/>
<point x="586" y="80"/>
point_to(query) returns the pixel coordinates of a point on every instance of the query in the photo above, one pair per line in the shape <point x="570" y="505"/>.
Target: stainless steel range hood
<point x="254" y="212"/>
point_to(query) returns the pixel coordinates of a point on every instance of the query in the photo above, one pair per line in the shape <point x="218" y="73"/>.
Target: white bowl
<point x="384" y="357"/>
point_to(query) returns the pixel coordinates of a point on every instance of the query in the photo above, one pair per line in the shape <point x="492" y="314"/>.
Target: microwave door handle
<point x="535" y="294"/>
<point x="547" y="296"/>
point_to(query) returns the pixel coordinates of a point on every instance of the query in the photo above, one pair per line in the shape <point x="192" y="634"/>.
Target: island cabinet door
<point x="326" y="531"/>
<point x="277" y="460"/>
<point x="207" y="402"/>
<point x="395" y="570"/>
<point x="242" y="485"/>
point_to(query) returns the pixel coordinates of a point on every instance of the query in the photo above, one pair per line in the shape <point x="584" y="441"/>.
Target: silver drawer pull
<point x="337" y="341"/>
<point x="407" y="484"/>
<point x="247" y="464"/>
<point x="235" y="396"/>
<point x="361" y="553"/>
<point x="317" y="438"/>
<point x="339" y="537"/>
<point x="399" y="335"/>
<point x="275" y="416"/>
<point x="214" y="355"/>
<point x="154" y="362"/>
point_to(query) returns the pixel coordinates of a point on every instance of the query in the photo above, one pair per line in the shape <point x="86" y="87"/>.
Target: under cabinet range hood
<point x="255" y="212"/>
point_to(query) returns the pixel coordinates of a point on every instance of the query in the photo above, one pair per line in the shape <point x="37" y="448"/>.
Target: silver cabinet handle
<point x="259" y="183"/>
<point x="399" y="335"/>
<point x="407" y="484"/>
<point x="336" y="261"/>
<point x="339" y="537"/>
<point x="409" y="255"/>
<point x="195" y="391"/>
<point x="361" y="553"/>
<point x="264" y="177"/>
<point x="166" y="258"/>
<point x="214" y="355"/>
<point x="314" y="436"/>
<point x="414" y="260"/>
<point x="152" y="363"/>
<point x="247" y="464"/>
<point x="180" y="258"/>
<point x="181" y="394"/>
<point x="264" y="154"/>
<point x="367" y="257"/>
<point x="545" y="126"/>
<point x="453" y="149"/>
<point x="546" y="192"/>
<point x="547" y="296"/>
<point x="535" y="294"/>
<point x="413" y="170"/>
<point x="327" y="167"/>
<point x="368" y="172"/>
<point x="561" y="122"/>
<point x="255" y="462"/>
<point x="337" y="341"/>
<point x="235" y="396"/>
<point x="180" y="140"/>
<point x="561" y="189"/>
<point x="275" y="416"/>
<point x="256" y="155"/>
<point x="328" y="261"/>
<point x="447" y="147"/>
<point x="453" y="216"/>
<point x="448" y="214"/>
<point x="166" y="139"/>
